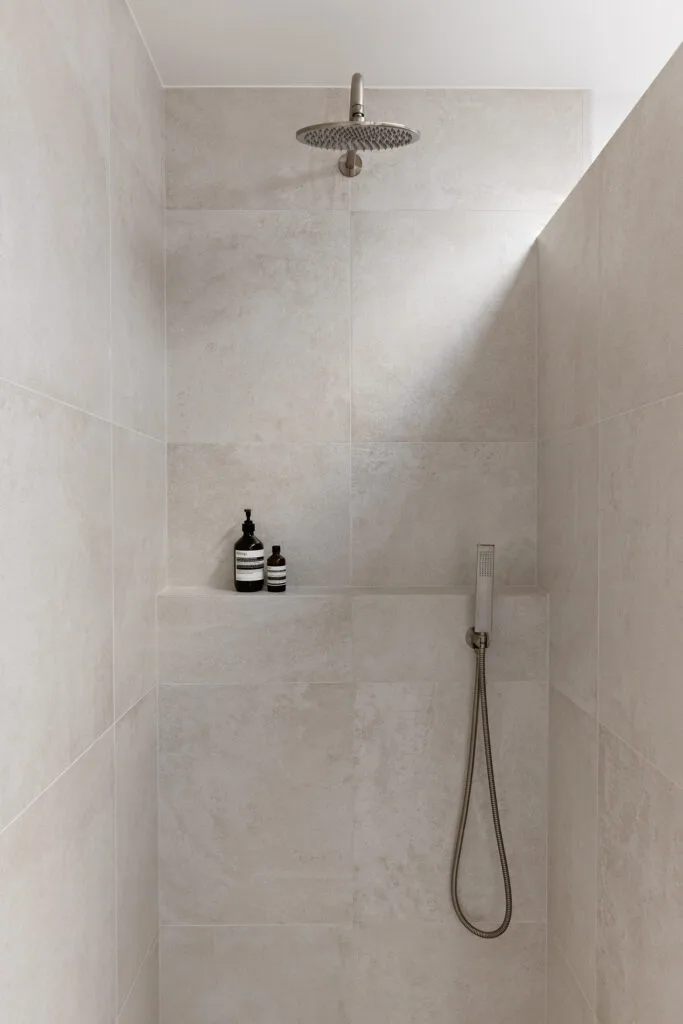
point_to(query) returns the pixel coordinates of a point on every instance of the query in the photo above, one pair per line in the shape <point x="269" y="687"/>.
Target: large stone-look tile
<point x="283" y="975"/>
<point x="54" y="288"/>
<point x="404" y="637"/>
<point x="299" y="494"/>
<point x="568" y="489"/>
<point x="572" y="839"/>
<point x="256" y="804"/>
<point x="519" y="637"/>
<point x="641" y="587"/>
<point x="142" y="1005"/>
<point x="139" y="477"/>
<point x="419" y="510"/>
<point x="568" y="312"/>
<point x="566" y="1002"/>
<point x="57" y="904"/>
<point x="138" y="344"/>
<point x="136" y="839"/>
<point x="641" y="205"/>
<point x="82" y="27"/>
<point x="235" y="149"/>
<point x="223" y="638"/>
<point x="55" y="601"/>
<point x="479" y="150"/>
<point x="444" y="326"/>
<point x="640" y="907"/>
<point x="137" y="97"/>
<point x="258" y="326"/>
<point x="410" y="754"/>
<point x="409" y="973"/>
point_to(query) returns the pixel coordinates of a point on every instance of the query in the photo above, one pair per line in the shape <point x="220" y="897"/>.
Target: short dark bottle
<point x="249" y="558"/>
<point x="276" y="571"/>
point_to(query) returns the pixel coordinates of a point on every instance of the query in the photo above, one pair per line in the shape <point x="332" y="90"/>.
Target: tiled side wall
<point x="82" y="497"/>
<point x="610" y="554"/>
<point x="356" y="360"/>
<point x="312" y="756"/>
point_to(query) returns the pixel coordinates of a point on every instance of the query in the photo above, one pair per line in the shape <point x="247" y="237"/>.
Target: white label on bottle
<point x="249" y="566"/>
<point x="277" y="576"/>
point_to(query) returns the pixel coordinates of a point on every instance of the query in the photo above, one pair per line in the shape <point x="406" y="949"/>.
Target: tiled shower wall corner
<point x="610" y="555"/>
<point x="312" y="755"/>
<point x="82" y="493"/>
<point x="357" y="360"/>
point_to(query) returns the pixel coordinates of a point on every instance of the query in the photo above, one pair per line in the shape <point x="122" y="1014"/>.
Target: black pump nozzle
<point x="248" y="526"/>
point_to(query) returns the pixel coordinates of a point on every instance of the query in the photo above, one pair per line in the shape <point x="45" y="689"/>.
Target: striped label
<point x="249" y="566"/>
<point x="276" y="576"/>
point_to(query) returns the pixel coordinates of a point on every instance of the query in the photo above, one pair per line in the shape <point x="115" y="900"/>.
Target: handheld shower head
<point x="483" y="597"/>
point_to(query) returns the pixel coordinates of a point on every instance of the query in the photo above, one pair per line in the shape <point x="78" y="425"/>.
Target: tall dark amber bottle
<point x="249" y="558"/>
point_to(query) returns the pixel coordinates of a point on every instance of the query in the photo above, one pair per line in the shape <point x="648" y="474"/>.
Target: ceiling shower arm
<point x="357" y="106"/>
<point x="351" y="164"/>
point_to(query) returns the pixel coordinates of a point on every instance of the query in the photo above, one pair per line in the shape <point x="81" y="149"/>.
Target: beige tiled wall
<point x="82" y="494"/>
<point x="356" y="360"/>
<point x="311" y="763"/>
<point x="610" y="553"/>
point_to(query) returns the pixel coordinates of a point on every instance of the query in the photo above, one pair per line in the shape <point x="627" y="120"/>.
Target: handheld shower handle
<point x="483" y="600"/>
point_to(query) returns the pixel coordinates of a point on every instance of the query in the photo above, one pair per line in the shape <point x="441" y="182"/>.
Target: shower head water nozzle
<point x="356" y="133"/>
<point x="483" y="601"/>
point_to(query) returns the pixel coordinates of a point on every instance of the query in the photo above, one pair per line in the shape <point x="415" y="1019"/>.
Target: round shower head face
<point x="357" y="135"/>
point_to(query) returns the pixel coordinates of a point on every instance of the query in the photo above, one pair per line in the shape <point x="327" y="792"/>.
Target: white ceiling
<point x="605" y="45"/>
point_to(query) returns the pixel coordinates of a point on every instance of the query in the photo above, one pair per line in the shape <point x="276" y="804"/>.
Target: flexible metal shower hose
<point x="480" y="703"/>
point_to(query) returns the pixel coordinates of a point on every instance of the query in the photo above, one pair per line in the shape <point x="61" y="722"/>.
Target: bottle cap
<point x="248" y="525"/>
<point x="276" y="549"/>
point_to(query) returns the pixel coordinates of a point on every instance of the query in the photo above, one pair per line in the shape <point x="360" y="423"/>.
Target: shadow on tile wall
<point x="82" y="493"/>
<point x="610" y="555"/>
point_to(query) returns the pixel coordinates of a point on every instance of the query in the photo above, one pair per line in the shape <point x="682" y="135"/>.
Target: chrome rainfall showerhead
<point x="356" y="133"/>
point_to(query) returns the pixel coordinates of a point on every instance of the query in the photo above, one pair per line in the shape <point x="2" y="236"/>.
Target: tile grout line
<point x="344" y="88"/>
<point x="548" y="670"/>
<point x="570" y="969"/>
<point x="165" y="561"/>
<point x="351" y="394"/>
<point x="537" y="396"/>
<point x="601" y="421"/>
<point x="138" y="975"/>
<point x="136" y="703"/>
<point x="143" y="40"/>
<point x="344" y="443"/>
<point x="45" y="396"/>
<point x="327" y="211"/>
<point x="112" y="555"/>
<point x="17" y="817"/>
<point x="346" y="923"/>
<point x="593" y="1003"/>
<point x="617" y="736"/>
<point x="134" y="160"/>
